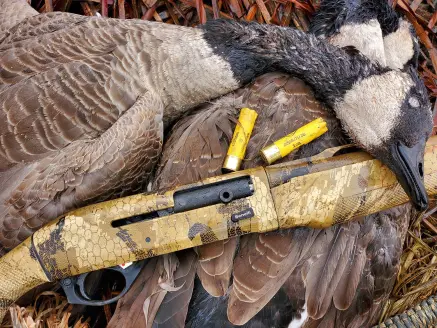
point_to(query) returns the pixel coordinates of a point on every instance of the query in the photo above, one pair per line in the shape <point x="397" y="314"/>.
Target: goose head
<point x="395" y="120"/>
<point x="386" y="110"/>
<point x="389" y="115"/>
<point x="361" y="23"/>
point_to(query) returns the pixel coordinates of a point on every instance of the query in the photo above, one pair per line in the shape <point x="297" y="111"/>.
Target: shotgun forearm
<point x="333" y="194"/>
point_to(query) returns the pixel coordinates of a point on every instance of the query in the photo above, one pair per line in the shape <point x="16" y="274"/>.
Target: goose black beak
<point x="408" y="167"/>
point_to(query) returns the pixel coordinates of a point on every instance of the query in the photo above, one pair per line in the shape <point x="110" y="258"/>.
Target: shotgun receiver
<point x="317" y="192"/>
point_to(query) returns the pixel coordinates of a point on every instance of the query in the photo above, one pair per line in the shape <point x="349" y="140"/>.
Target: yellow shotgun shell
<point x="284" y="146"/>
<point x="240" y="139"/>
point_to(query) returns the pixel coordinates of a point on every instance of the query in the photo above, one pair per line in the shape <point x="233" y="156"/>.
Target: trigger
<point x="75" y="289"/>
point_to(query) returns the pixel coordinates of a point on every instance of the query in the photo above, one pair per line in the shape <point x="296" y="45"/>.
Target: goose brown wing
<point x="70" y="82"/>
<point x="116" y="163"/>
<point x="362" y="279"/>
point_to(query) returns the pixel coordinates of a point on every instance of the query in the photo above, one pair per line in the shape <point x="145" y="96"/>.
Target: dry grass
<point x="49" y="310"/>
<point x="417" y="278"/>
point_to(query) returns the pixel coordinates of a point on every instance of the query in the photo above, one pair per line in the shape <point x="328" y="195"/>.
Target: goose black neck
<point x="253" y="49"/>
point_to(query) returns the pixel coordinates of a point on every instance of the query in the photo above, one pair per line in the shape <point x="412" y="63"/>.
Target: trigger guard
<point x="74" y="287"/>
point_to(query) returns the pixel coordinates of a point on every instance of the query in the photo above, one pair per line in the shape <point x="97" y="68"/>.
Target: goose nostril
<point x="421" y="170"/>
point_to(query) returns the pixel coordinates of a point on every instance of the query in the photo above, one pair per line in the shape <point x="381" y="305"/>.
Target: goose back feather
<point x="12" y="12"/>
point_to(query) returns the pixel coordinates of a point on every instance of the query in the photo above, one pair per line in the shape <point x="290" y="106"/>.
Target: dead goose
<point x="82" y="118"/>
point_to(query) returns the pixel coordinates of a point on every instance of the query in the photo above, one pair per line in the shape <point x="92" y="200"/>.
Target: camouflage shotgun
<point x="318" y="192"/>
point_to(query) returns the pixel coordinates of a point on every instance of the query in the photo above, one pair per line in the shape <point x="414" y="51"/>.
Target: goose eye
<point x="414" y="102"/>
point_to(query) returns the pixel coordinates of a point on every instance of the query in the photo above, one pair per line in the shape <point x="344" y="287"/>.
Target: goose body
<point x="83" y="108"/>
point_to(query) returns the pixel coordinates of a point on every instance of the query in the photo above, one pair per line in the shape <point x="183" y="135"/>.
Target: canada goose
<point x="84" y="103"/>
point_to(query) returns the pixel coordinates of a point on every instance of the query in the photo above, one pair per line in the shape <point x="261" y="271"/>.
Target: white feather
<point x="398" y="46"/>
<point x="364" y="37"/>
<point x="370" y="110"/>
<point x="297" y="323"/>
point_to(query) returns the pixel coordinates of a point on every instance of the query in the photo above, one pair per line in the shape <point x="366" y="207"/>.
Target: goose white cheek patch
<point x="367" y="38"/>
<point x="370" y="110"/>
<point x="398" y="46"/>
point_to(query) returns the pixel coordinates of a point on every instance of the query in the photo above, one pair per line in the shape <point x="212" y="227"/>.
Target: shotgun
<point x="316" y="192"/>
